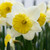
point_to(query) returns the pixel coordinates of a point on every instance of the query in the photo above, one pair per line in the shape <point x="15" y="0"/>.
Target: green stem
<point x="38" y="40"/>
<point x="47" y="31"/>
<point x="34" y="42"/>
<point x="28" y="45"/>
<point x="3" y="31"/>
<point x="18" y="46"/>
<point x="8" y="46"/>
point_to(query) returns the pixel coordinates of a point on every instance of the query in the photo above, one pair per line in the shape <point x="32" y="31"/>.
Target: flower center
<point x="22" y="23"/>
<point x="8" y="9"/>
<point x="42" y="19"/>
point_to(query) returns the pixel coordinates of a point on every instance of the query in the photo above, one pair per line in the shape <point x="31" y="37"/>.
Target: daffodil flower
<point x="24" y="22"/>
<point x="48" y="16"/>
<point x="48" y="13"/>
<point x="5" y="8"/>
<point x="11" y="40"/>
<point x="48" y="5"/>
<point x="42" y="18"/>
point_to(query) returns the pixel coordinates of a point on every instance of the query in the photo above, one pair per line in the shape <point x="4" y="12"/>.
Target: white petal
<point x="48" y="15"/>
<point x="2" y="21"/>
<point x="18" y="8"/>
<point x="42" y="7"/>
<point x="9" y="18"/>
<point x="18" y="3"/>
<point x="8" y="0"/>
<point x="37" y="33"/>
<point x="30" y="35"/>
<point x="49" y="4"/>
<point x="14" y="33"/>
<point x="12" y="44"/>
<point x="36" y="27"/>
<point x="14" y="2"/>
<point x="1" y="1"/>
<point x="8" y="31"/>
<point x="33" y="12"/>
<point x="5" y="48"/>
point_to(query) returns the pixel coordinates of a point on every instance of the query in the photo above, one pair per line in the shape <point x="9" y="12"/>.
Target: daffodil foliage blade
<point x="25" y="44"/>
<point x="1" y="40"/>
<point x="3" y="36"/>
<point x="19" y="46"/>
<point x="28" y="45"/>
<point x="34" y="42"/>
<point x="41" y="42"/>
<point x="8" y="46"/>
<point x="48" y="39"/>
<point x="47" y="30"/>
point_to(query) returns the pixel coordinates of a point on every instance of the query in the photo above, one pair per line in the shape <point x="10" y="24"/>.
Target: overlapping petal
<point x="30" y="35"/>
<point x="2" y="21"/>
<point x="48" y="15"/>
<point x="33" y="12"/>
<point x="42" y="7"/>
<point x="36" y="27"/>
<point x="14" y="33"/>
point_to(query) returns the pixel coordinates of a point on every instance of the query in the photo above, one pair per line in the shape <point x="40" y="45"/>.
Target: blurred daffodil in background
<point x="42" y="18"/>
<point x="5" y="8"/>
<point x="48" y="13"/>
<point x="24" y="21"/>
<point x="9" y="39"/>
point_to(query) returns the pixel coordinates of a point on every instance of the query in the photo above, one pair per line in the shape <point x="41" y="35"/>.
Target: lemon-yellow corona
<point x="22" y="23"/>
<point x="42" y="19"/>
<point x="5" y="8"/>
<point x="7" y="39"/>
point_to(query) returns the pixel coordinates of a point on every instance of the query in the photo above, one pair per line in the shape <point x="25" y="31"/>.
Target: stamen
<point x="24" y="22"/>
<point x="8" y="9"/>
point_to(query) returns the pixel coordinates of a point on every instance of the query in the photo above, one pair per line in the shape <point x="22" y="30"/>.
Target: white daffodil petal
<point x="1" y="1"/>
<point x="30" y="35"/>
<point x="9" y="0"/>
<point x="47" y="19"/>
<point x="9" y="31"/>
<point x="49" y="4"/>
<point x="2" y="21"/>
<point x="18" y="3"/>
<point x="37" y="33"/>
<point x="18" y="8"/>
<point x="5" y="48"/>
<point x="42" y="7"/>
<point x="36" y="27"/>
<point x="48" y="15"/>
<point x="14" y="33"/>
<point x="33" y="12"/>
<point x="14" y="2"/>
<point x="11" y="42"/>
<point x="9" y="18"/>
